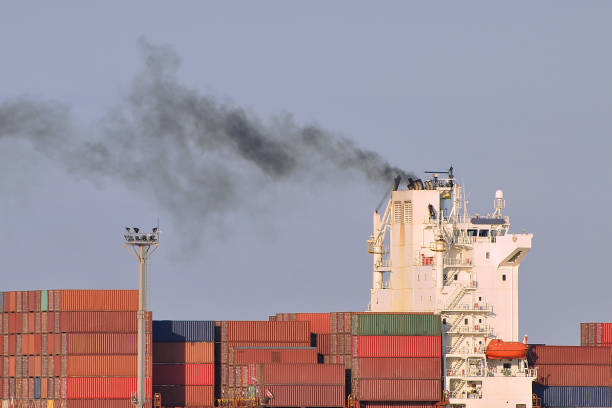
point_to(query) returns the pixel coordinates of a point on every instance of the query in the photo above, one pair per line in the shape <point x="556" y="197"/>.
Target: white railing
<point x="527" y="372"/>
<point x="476" y="307"/>
<point x="470" y="329"/>
<point x="463" y="394"/>
<point x="465" y="350"/>
<point x="457" y="262"/>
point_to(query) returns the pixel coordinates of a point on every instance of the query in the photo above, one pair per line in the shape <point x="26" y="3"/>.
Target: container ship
<point x="440" y="330"/>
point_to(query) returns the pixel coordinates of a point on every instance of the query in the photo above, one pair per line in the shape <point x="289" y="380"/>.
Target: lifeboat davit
<point x="506" y="350"/>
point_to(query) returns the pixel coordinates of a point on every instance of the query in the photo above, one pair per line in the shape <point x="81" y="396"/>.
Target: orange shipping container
<point x="102" y="343"/>
<point x="192" y="352"/>
<point x="307" y="395"/>
<point x="185" y="396"/>
<point x="103" y="366"/>
<point x="397" y="390"/>
<point x="101" y="322"/>
<point x="102" y="387"/>
<point x="99" y="300"/>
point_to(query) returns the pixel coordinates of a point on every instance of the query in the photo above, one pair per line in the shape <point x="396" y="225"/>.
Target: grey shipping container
<point x="183" y="331"/>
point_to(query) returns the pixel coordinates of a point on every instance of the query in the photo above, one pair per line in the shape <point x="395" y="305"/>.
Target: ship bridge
<point x="431" y="255"/>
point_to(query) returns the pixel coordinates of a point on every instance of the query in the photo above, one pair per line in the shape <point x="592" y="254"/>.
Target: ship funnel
<point x="396" y="182"/>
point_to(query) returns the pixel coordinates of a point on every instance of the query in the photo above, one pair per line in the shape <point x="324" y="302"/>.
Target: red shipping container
<point x="299" y="374"/>
<point x="574" y="375"/>
<point x="306" y="395"/>
<point x="99" y="300"/>
<point x="100" y="322"/>
<point x="405" y="404"/>
<point x="324" y="344"/>
<point x="265" y="331"/>
<point x="12" y="302"/>
<point x="227" y="348"/>
<point x="12" y="323"/>
<point x="186" y="396"/>
<point x="108" y="403"/>
<point x="103" y="366"/>
<point x="102" y="343"/>
<point x="184" y="374"/>
<point x="397" y="346"/>
<point x="12" y="344"/>
<point x="103" y="387"/>
<point x="398" y="368"/>
<point x="31" y="322"/>
<point x="542" y="354"/>
<point x="319" y="322"/>
<point x="397" y="390"/>
<point x="190" y="352"/>
<point x="273" y="355"/>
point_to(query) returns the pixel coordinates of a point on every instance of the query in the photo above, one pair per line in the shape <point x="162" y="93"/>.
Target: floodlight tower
<point x="142" y="245"/>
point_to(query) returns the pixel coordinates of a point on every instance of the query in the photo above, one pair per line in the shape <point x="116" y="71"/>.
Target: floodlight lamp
<point x="136" y="229"/>
<point x="127" y="229"/>
<point x="155" y="229"/>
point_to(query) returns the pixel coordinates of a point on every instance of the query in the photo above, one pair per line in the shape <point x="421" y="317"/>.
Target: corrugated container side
<point x="300" y="374"/>
<point x="102" y="366"/>
<point x="265" y="331"/>
<point x="307" y="395"/>
<point x="542" y="354"/>
<point x="405" y="404"/>
<point x="227" y="348"/>
<point x="107" y="403"/>
<point x="396" y="324"/>
<point x="397" y="368"/>
<point x="186" y="396"/>
<point x="44" y="301"/>
<point x="573" y="396"/>
<point x="574" y="375"/>
<point x="319" y="322"/>
<point x="184" y="374"/>
<point x="397" y="346"/>
<point x="273" y="355"/>
<point x="397" y="390"/>
<point x="324" y="343"/>
<point x="191" y="352"/>
<point x="183" y="331"/>
<point x="98" y="300"/>
<point x="100" y="322"/>
<point x="102" y="343"/>
<point x="102" y="387"/>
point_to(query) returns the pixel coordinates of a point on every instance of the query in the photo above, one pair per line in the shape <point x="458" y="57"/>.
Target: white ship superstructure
<point x="431" y="256"/>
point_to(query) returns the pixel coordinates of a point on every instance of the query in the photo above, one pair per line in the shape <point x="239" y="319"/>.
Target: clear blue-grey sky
<point x="515" y="96"/>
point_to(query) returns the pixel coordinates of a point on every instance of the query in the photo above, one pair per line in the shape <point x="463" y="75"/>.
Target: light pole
<point x="142" y="245"/>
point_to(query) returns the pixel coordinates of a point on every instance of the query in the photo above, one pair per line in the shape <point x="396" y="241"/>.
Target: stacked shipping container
<point x="396" y="357"/>
<point x="184" y="362"/>
<point x="255" y="354"/>
<point x="74" y="348"/>
<point x="571" y="376"/>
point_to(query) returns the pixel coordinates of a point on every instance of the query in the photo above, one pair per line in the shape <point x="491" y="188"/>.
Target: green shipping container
<point x="44" y="301"/>
<point x="396" y="324"/>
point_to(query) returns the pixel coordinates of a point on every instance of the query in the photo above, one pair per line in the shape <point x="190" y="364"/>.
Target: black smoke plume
<point x="187" y="150"/>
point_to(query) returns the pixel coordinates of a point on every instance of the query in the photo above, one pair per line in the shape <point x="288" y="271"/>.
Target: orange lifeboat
<point x="506" y="350"/>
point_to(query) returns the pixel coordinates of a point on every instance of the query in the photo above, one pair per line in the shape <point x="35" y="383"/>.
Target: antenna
<point x="142" y="245"/>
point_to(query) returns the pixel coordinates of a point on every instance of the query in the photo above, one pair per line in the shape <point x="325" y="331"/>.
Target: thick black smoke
<point x="186" y="149"/>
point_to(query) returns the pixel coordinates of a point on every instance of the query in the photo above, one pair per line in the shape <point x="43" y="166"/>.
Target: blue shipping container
<point x="573" y="396"/>
<point x="183" y="331"/>
<point x="37" y="388"/>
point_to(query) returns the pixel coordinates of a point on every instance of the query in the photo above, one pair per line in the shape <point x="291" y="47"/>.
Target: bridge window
<point x="472" y="232"/>
<point x="465" y="321"/>
<point x="487" y="255"/>
<point x="504" y="277"/>
<point x="456" y="276"/>
<point x="444" y="321"/>
<point x="483" y="233"/>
